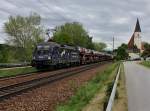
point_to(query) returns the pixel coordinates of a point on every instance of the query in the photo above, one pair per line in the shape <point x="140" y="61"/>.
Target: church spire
<point x="135" y="39"/>
<point x="137" y="27"/>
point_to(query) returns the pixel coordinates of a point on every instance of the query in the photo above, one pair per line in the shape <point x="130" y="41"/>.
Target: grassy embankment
<point x="16" y="71"/>
<point x="85" y="93"/>
<point x="121" y="103"/>
<point x="145" y="63"/>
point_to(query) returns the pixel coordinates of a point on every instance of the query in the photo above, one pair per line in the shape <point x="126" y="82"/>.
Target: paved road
<point x="138" y="86"/>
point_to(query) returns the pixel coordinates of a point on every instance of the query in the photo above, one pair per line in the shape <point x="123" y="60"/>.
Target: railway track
<point x="7" y="91"/>
<point x="34" y="73"/>
<point x="7" y="68"/>
<point x="38" y="73"/>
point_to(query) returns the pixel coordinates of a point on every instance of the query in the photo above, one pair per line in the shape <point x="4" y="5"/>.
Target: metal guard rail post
<point x="113" y="93"/>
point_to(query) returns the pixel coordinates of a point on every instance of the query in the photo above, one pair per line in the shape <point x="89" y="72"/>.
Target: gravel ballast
<point x="45" y="98"/>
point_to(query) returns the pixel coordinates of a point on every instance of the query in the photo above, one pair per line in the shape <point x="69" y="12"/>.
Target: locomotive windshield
<point x="43" y="47"/>
<point x="42" y="52"/>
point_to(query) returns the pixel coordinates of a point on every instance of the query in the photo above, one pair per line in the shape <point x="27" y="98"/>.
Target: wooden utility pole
<point x="113" y="43"/>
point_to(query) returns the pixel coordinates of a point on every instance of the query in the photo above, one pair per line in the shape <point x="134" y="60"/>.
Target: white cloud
<point x="102" y="18"/>
<point x="120" y="20"/>
<point x="137" y="13"/>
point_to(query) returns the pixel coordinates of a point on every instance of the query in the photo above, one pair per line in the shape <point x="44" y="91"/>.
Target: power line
<point x="113" y="43"/>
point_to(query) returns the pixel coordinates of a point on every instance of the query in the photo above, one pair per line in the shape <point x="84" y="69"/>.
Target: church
<point x="135" y="44"/>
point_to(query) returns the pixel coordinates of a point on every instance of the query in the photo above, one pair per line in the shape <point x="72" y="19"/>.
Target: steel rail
<point x="38" y="72"/>
<point x="8" y="91"/>
<point x="49" y="74"/>
<point x="11" y="65"/>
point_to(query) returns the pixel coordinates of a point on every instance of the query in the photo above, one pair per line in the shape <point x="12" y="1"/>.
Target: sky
<point x="103" y="19"/>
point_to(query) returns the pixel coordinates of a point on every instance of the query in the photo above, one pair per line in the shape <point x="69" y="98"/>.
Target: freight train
<point x="52" y="54"/>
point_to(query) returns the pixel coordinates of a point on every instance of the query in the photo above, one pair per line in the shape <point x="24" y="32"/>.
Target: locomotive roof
<point x="54" y="44"/>
<point x="68" y="47"/>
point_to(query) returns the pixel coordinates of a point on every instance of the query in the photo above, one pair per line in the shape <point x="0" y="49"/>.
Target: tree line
<point x="122" y="51"/>
<point x="24" y="33"/>
<point x="146" y="52"/>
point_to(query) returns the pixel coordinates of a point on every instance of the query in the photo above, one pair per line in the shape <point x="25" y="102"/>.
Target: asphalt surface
<point x="138" y="86"/>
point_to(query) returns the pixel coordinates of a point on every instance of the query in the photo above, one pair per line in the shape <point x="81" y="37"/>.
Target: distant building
<point x="135" y="44"/>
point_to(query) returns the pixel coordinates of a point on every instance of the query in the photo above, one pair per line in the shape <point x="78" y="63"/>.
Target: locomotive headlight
<point x="49" y="58"/>
<point x="33" y="57"/>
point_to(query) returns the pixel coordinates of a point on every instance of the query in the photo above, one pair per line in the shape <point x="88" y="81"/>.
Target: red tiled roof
<point x="142" y="46"/>
<point x="137" y="29"/>
<point x="131" y="43"/>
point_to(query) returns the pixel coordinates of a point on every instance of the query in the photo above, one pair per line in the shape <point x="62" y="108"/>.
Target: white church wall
<point x="137" y="40"/>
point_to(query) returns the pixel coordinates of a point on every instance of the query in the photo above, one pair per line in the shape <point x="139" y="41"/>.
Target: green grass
<point x="121" y="102"/>
<point x="85" y="93"/>
<point x="16" y="71"/>
<point x="145" y="63"/>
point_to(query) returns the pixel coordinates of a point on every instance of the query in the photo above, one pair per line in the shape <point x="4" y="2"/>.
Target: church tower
<point x="135" y="40"/>
<point x="137" y="36"/>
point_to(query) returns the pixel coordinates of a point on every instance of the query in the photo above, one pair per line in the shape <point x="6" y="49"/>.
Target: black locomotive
<point x="54" y="54"/>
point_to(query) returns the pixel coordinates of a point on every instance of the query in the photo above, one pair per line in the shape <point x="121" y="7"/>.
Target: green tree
<point x="122" y="52"/>
<point x="72" y="34"/>
<point x="6" y="53"/>
<point x="24" y="34"/>
<point x="63" y="38"/>
<point x="146" y="51"/>
<point x="99" y="46"/>
<point x="125" y="46"/>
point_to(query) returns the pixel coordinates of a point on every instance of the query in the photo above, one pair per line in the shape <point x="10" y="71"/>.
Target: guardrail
<point x="113" y="93"/>
<point x="9" y="65"/>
